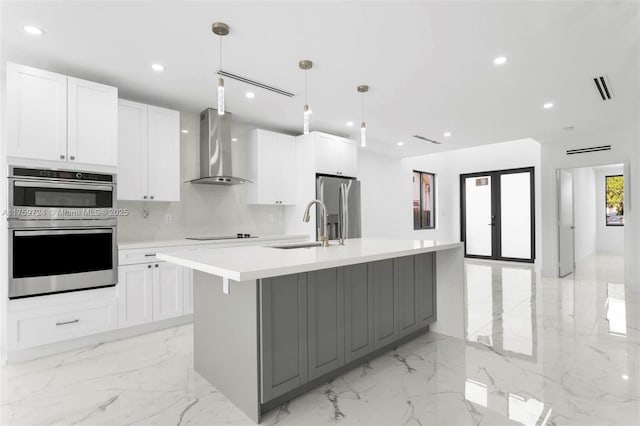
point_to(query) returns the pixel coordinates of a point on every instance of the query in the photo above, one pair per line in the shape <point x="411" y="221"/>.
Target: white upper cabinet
<point x="272" y="168"/>
<point x="164" y="154"/>
<point x="92" y="113"/>
<point x="335" y="155"/>
<point x="36" y="113"/>
<point x="132" y="150"/>
<point x="148" y="153"/>
<point x="58" y="118"/>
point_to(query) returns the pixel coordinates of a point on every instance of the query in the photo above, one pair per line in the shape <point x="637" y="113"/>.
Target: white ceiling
<point x="429" y="64"/>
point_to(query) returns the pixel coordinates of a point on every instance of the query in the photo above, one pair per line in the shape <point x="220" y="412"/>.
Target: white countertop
<point x="255" y="262"/>
<point x="130" y="245"/>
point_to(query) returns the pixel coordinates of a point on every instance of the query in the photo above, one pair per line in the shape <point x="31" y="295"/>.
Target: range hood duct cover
<point x="215" y="150"/>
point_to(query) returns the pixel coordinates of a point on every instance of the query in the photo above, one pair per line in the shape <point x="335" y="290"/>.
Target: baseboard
<point x="28" y="354"/>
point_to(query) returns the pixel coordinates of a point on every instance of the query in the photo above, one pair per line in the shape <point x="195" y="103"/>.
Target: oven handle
<point x="62" y="232"/>
<point x="62" y="186"/>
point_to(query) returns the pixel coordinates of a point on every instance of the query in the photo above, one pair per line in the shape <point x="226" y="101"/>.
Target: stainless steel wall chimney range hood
<point x="215" y="150"/>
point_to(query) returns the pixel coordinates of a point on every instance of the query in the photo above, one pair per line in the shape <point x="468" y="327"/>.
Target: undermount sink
<point x="297" y="245"/>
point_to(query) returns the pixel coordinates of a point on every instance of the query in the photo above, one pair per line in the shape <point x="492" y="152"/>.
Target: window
<point x="424" y="200"/>
<point x="614" y="188"/>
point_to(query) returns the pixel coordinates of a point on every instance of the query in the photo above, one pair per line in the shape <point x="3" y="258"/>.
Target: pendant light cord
<point x="220" y="53"/>
<point x="306" y="100"/>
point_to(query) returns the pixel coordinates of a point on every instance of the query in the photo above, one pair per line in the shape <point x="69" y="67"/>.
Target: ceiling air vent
<point x="246" y="80"/>
<point x="422" y="138"/>
<point x="602" y="84"/>
<point x="590" y="149"/>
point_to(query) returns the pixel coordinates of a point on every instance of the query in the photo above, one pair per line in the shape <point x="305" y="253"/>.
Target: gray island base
<point x="271" y="339"/>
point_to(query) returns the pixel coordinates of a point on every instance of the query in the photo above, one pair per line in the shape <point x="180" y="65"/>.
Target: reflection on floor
<point x="538" y="352"/>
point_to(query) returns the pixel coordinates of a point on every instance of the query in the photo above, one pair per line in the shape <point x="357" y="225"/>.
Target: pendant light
<point x="220" y="29"/>
<point x="363" y="127"/>
<point x="305" y="65"/>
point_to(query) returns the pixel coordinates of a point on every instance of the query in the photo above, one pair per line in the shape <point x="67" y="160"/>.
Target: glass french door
<point x="497" y="214"/>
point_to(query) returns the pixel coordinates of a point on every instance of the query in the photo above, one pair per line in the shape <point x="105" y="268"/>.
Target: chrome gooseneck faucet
<point x="324" y="238"/>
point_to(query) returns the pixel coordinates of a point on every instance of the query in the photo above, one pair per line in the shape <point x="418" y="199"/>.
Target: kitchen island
<point x="273" y="322"/>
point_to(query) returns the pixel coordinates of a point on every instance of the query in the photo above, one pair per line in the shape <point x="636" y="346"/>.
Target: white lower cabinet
<point x="188" y="291"/>
<point x="33" y="323"/>
<point x="150" y="292"/>
<point x="134" y="295"/>
<point x="167" y="291"/>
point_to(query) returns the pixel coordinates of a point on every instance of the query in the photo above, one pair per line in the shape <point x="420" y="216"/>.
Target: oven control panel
<point x="61" y="174"/>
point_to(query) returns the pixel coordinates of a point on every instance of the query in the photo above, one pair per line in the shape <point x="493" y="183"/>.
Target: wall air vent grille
<point x="422" y="138"/>
<point x="603" y="86"/>
<point x="590" y="149"/>
<point x="227" y="74"/>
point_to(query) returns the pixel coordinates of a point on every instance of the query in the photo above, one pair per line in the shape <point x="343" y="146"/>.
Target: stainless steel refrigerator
<point x="341" y="196"/>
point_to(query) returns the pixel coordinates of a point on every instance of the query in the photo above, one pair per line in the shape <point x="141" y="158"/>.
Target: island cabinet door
<point x="358" y="311"/>
<point x="425" y="267"/>
<point x="326" y="321"/>
<point x="385" y="303"/>
<point x="405" y="277"/>
<point x="283" y="316"/>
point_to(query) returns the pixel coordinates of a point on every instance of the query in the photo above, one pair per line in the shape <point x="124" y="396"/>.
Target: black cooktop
<point x="222" y="237"/>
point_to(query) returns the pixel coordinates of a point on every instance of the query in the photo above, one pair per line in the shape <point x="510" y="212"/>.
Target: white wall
<point x="584" y="206"/>
<point x="609" y="239"/>
<point x="387" y="187"/>
<point x="203" y="209"/>
<point x="624" y="150"/>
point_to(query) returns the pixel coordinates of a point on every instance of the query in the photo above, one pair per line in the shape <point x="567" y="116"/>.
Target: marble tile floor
<point x="538" y="352"/>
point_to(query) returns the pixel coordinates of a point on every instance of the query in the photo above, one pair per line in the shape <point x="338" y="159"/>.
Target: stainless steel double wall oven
<point x="62" y="231"/>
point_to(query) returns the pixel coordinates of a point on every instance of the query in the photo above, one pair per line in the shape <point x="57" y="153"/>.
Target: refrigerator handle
<point x="343" y="222"/>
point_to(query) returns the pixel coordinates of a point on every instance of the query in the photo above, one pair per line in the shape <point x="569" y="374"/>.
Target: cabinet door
<point x="167" y="291"/>
<point x="164" y="154"/>
<point x="267" y="165"/>
<point x="132" y="150"/>
<point x="284" y="334"/>
<point x="287" y="170"/>
<point x="92" y="123"/>
<point x="404" y="270"/>
<point x="135" y="295"/>
<point x="36" y="113"/>
<point x="348" y="158"/>
<point x="384" y="302"/>
<point x="327" y="154"/>
<point x="358" y="311"/>
<point x="326" y="321"/>
<point x="187" y="276"/>
<point x="426" y="287"/>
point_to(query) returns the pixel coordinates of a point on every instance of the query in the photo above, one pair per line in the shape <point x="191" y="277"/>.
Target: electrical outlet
<point x="168" y="219"/>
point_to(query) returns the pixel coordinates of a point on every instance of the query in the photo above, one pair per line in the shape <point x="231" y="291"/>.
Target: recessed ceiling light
<point x="500" y="60"/>
<point x="350" y="123"/>
<point x="548" y="105"/>
<point x="157" y="67"/>
<point x="625" y="377"/>
<point x="447" y="134"/>
<point x="250" y="95"/>
<point x="185" y="131"/>
<point x="33" y="30"/>
<point x="400" y="143"/>
<point x="234" y="139"/>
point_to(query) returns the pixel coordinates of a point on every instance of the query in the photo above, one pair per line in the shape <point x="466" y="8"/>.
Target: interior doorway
<point x="590" y="215"/>
<point x="498" y="214"/>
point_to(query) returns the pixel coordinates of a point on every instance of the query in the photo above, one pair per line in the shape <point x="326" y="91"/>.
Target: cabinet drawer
<point x="140" y="257"/>
<point x="31" y="328"/>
